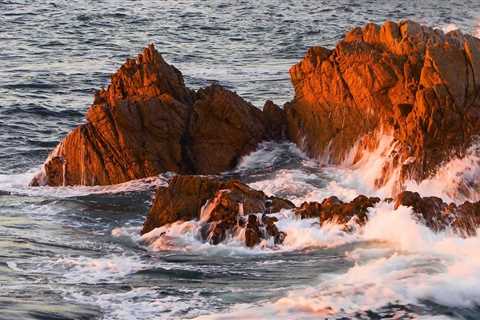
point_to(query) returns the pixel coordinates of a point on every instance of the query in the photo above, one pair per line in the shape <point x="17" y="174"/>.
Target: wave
<point x="415" y="267"/>
<point x="19" y="184"/>
<point x="406" y="265"/>
<point x="458" y="180"/>
<point x="301" y="235"/>
<point x="372" y="173"/>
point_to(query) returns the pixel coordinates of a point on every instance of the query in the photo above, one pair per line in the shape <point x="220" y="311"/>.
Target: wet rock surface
<point x="333" y="210"/>
<point x="148" y="122"/>
<point x="409" y="81"/>
<point x="224" y="208"/>
<point x="433" y="212"/>
<point x="463" y="219"/>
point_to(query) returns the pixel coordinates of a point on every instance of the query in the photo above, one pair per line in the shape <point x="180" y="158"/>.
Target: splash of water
<point x="458" y="180"/>
<point x="415" y="266"/>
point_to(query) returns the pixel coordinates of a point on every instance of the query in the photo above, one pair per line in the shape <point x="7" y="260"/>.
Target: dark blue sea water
<point x="75" y="253"/>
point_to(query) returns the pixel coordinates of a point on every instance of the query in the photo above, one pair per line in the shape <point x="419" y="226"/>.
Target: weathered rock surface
<point x="222" y="206"/>
<point x="148" y="122"/>
<point x="412" y="82"/>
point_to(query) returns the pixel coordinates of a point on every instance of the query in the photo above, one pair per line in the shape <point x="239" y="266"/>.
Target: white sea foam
<point x="105" y="269"/>
<point x="458" y="180"/>
<point x="413" y="265"/>
<point x="449" y="27"/>
<point x="301" y="234"/>
<point x="144" y="303"/>
<point x="18" y="184"/>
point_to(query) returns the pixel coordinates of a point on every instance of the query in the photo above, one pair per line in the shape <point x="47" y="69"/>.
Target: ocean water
<point x="76" y="253"/>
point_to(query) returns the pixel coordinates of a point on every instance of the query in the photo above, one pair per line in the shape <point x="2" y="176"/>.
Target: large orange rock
<point x="412" y="82"/>
<point x="148" y="122"/>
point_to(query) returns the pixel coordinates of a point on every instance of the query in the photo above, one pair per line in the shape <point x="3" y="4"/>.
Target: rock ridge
<point x="228" y="208"/>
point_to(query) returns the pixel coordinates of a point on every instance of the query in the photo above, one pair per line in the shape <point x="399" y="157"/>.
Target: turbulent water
<point x="75" y="252"/>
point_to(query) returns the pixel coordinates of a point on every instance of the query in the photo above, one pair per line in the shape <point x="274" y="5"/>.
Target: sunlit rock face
<point x="410" y="82"/>
<point x="148" y="122"/>
<point x="406" y="80"/>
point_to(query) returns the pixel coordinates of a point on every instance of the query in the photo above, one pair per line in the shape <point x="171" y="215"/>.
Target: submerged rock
<point x="222" y="207"/>
<point x="148" y="122"/>
<point x="405" y="80"/>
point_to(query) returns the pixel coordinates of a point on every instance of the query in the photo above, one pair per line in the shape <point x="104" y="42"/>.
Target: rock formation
<point x="412" y="82"/>
<point x="148" y="122"/>
<point x="433" y="212"/>
<point x="333" y="210"/>
<point x="463" y="219"/>
<point x="222" y="207"/>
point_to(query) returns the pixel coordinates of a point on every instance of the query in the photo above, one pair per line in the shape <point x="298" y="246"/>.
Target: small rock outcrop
<point x="148" y="122"/>
<point x="221" y="206"/>
<point x="433" y="212"/>
<point x="228" y="208"/>
<point x="463" y="219"/>
<point x="333" y="210"/>
<point x="408" y="81"/>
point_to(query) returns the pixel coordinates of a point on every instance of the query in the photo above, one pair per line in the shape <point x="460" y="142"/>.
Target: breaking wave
<point x="409" y="267"/>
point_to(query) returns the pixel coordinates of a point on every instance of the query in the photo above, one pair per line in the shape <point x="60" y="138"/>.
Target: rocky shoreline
<point x="413" y="83"/>
<point x="229" y="208"/>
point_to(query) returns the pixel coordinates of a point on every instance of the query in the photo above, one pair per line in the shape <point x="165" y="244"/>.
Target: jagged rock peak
<point x="148" y="122"/>
<point x="147" y="75"/>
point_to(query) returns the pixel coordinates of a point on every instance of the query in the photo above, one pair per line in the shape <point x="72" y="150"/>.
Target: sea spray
<point x="415" y="267"/>
<point x="458" y="180"/>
